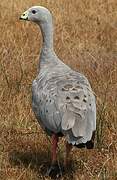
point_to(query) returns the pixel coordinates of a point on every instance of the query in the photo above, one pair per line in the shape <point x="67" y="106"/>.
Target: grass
<point x="85" y="39"/>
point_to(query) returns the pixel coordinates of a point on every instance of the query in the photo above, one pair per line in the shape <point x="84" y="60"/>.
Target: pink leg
<point x="54" y="169"/>
<point x="54" y="148"/>
<point x="67" y="156"/>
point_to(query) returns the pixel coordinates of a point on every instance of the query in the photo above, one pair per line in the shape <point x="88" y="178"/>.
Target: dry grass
<point x="86" y="39"/>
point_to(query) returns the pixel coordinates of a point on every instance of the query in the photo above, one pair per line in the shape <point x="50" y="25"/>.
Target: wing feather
<point x="68" y="120"/>
<point x="67" y="106"/>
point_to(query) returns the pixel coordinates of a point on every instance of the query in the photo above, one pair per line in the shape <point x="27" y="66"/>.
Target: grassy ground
<point x="85" y="39"/>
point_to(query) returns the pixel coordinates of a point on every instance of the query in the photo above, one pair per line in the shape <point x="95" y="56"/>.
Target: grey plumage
<point x="62" y="99"/>
<point x="64" y="102"/>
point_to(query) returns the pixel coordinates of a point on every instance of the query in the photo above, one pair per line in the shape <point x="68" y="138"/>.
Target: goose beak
<point x="24" y="16"/>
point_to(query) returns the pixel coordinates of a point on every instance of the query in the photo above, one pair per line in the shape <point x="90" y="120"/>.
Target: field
<point x="85" y="38"/>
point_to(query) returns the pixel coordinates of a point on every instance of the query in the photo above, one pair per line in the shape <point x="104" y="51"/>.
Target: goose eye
<point x="33" y="12"/>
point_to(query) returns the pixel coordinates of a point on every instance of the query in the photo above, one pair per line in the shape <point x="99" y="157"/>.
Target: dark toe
<point x="54" y="171"/>
<point x="90" y="145"/>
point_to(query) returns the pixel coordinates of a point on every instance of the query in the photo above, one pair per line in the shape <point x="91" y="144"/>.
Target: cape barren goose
<point x="62" y="99"/>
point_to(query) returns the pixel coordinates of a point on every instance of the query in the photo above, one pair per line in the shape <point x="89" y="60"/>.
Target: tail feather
<point x="88" y="144"/>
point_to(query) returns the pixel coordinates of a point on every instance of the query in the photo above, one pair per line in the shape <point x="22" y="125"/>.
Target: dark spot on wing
<point x="84" y="100"/>
<point x="74" y="89"/>
<point x="67" y="97"/>
<point x="76" y="97"/>
<point x="63" y="89"/>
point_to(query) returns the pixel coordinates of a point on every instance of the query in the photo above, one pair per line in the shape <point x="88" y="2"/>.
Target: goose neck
<point x="47" y="34"/>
